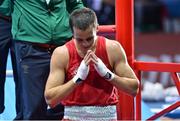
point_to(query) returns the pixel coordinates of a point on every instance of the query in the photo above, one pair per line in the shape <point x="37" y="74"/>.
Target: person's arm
<point x="124" y="78"/>
<point x="6" y="7"/>
<point x="56" y="89"/>
<point x="1" y="1"/>
<point x="73" y="4"/>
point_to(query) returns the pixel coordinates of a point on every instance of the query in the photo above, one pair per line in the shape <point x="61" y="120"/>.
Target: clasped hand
<point x="99" y="66"/>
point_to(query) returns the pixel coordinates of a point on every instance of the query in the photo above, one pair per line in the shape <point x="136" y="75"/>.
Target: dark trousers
<point x="33" y="70"/>
<point x="6" y="44"/>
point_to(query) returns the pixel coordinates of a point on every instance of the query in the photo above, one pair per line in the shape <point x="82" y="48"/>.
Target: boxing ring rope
<point x="124" y="30"/>
<point x="173" y="68"/>
<point x="176" y="78"/>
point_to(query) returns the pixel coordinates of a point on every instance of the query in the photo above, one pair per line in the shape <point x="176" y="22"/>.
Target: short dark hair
<point x="83" y="18"/>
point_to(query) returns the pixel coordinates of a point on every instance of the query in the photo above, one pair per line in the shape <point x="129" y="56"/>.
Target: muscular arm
<point x="56" y="89"/>
<point x="125" y="79"/>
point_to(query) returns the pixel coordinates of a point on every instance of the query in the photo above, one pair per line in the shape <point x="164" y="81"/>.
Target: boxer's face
<point x="85" y="40"/>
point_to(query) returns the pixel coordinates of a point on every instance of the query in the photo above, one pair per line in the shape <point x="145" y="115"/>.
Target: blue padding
<point x="146" y="112"/>
<point x="9" y="112"/>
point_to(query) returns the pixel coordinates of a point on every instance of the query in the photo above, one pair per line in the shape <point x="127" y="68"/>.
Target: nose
<point x="85" y="43"/>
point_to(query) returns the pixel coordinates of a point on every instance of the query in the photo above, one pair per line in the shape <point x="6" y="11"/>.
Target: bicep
<point x="57" y="72"/>
<point x="121" y="66"/>
<point x="123" y="69"/>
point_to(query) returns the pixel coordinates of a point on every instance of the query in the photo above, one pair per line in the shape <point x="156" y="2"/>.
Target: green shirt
<point x="6" y="7"/>
<point x="37" y="21"/>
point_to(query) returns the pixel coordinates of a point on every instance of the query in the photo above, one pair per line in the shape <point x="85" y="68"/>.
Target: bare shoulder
<point x="60" y="55"/>
<point x="115" y="50"/>
<point x="61" y="50"/>
<point x="114" y="46"/>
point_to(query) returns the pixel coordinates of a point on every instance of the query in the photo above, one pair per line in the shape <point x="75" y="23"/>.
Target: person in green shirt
<point x="38" y="27"/>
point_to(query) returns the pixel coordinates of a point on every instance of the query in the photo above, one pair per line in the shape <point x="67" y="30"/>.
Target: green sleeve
<point x="6" y="8"/>
<point x="1" y="1"/>
<point x="73" y="4"/>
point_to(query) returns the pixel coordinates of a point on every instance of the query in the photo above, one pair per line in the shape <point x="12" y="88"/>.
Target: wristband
<point x="77" y="80"/>
<point x="103" y="71"/>
<point x="109" y="76"/>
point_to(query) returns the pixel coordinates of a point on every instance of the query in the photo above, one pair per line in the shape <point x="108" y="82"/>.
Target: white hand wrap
<point x="82" y="73"/>
<point x="103" y="71"/>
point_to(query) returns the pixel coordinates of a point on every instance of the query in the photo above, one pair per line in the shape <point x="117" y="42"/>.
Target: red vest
<point x="94" y="90"/>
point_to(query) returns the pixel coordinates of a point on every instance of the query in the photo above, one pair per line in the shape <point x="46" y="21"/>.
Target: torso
<point x="94" y="90"/>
